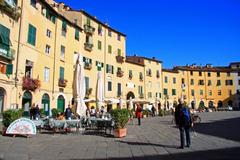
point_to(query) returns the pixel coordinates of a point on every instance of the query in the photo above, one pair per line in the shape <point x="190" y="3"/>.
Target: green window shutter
<point x="112" y="70"/>
<point x="107" y="68"/>
<point x="96" y="63"/>
<point x="31" y="35"/>
<point x="76" y="34"/>
<point x="84" y="59"/>
<point x="64" y="25"/>
<point x="90" y="61"/>
<point x="61" y="73"/>
<point x="4" y="37"/>
<point x="9" y="69"/>
<point x="102" y="65"/>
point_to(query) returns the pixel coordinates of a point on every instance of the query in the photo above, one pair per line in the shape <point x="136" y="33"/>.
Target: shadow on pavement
<point x="227" y="128"/>
<point x="219" y="154"/>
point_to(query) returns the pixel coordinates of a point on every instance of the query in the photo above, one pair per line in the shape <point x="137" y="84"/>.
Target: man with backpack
<point x="184" y="122"/>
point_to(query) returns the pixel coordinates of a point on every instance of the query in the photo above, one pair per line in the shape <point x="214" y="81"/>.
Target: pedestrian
<point x="68" y="113"/>
<point x="139" y="113"/>
<point x="37" y="112"/>
<point x="32" y="112"/>
<point x="153" y="111"/>
<point x="184" y="123"/>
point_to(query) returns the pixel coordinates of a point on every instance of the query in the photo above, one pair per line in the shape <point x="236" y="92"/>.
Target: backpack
<point x="186" y="115"/>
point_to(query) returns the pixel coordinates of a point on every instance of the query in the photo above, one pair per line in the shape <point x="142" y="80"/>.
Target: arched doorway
<point x="2" y="96"/>
<point x="220" y="104"/>
<point x="201" y="105"/>
<point x="230" y="103"/>
<point x="210" y="104"/>
<point x="46" y="104"/>
<point x="26" y="102"/>
<point x="60" y="104"/>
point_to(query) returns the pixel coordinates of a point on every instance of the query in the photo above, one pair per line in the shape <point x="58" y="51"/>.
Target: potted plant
<point x="120" y="117"/>
<point x="10" y="116"/>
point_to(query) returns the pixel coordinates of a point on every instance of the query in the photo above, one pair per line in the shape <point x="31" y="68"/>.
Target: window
<point x="109" y="33"/>
<point x="4" y="39"/>
<point x="191" y="73"/>
<point x="174" y="80"/>
<point x="192" y="81"/>
<point x="31" y="35"/>
<point x="218" y="82"/>
<point x="201" y="92"/>
<point x="238" y="91"/>
<point x="140" y="90"/>
<point x="110" y="69"/>
<point x="209" y="82"/>
<point x="157" y="74"/>
<point x="229" y="82"/>
<point x="149" y="94"/>
<point x="130" y="74"/>
<point x="49" y="14"/>
<point x="149" y="72"/>
<point x="87" y="84"/>
<point x="183" y="81"/>
<point x="109" y="86"/>
<point x="229" y="92"/>
<point x="77" y="34"/>
<point x="200" y="73"/>
<point x="149" y="84"/>
<point x="192" y="92"/>
<point x="61" y="75"/>
<point x="174" y="92"/>
<point x="88" y="22"/>
<point x="119" y="52"/>
<point x="228" y="74"/>
<point x="210" y="93"/>
<point x="33" y="3"/>
<point x="218" y="74"/>
<point x="119" y="37"/>
<point x="140" y="75"/>
<point x="46" y="74"/>
<point x="64" y="28"/>
<point x="100" y="30"/>
<point x="62" y="52"/>
<point x="47" y="49"/>
<point x="119" y="89"/>
<point x="49" y="33"/>
<point x="99" y="45"/>
<point x="166" y="79"/>
<point x="165" y="91"/>
<point x="109" y="49"/>
<point x="201" y="82"/>
<point x="28" y="68"/>
<point x="89" y="39"/>
<point x="219" y="92"/>
<point x="209" y="74"/>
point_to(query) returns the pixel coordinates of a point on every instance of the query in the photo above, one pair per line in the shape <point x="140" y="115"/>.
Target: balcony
<point x="62" y="83"/>
<point x="89" y="29"/>
<point x="120" y="59"/>
<point x="88" y="46"/>
<point x="8" y="54"/>
<point x="120" y="73"/>
<point x="30" y="84"/>
<point x="88" y="66"/>
<point x="158" y="75"/>
<point x="10" y="8"/>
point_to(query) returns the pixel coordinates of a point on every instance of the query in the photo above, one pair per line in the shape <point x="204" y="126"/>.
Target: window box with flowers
<point x="120" y="59"/>
<point x="62" y="83"/>
<point x="30" y="84"/>
<point x="11" y="9"/>
<point x="120" y="73"/>
<point x="87" y="66"/>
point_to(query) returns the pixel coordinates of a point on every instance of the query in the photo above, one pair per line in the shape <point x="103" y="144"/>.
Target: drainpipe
<point x="105" y="58"/>
<point x="18" y="50"/>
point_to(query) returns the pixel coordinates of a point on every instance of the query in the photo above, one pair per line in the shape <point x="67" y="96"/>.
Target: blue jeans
<point x="188" y="139"/>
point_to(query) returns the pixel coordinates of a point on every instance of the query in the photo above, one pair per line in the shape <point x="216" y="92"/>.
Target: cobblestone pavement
<point x="217" y="137"/>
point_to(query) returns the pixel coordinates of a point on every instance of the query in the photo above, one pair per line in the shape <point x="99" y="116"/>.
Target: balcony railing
<point x="88" y="46"/>
<point x="120" y="59"/>
<point x="120" y="73"/>
<point x="30" y="84"/>
<point x="62" y="83"/>
<point x="88" y="66"/>
<point x="8" y="54"/>
<point x="11" y="9"/>
<point x="89" y="29"/>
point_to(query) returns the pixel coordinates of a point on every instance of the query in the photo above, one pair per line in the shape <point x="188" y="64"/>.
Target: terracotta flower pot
<point x="119" y="133"/>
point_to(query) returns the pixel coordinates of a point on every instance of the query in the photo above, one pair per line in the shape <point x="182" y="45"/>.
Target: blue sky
<point x="178" y="32"/>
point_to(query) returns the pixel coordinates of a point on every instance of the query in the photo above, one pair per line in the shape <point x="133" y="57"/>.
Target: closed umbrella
<point x="130" y="103"/>
<point x="79" y="87"/>
<point x="100" y="90"/>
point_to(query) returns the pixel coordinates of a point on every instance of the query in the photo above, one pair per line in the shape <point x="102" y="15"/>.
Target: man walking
<point x="183" y="121"/>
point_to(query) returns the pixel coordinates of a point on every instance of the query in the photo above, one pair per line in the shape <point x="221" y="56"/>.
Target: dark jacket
<point x="68" y="113"/>
<point x="179" y="117"/>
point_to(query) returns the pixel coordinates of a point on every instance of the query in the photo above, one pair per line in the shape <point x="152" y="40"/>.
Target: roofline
<point x="98" y="21"/>
<point x="170" y="70"/>
<point x="151" y="59"/>
<point x="61" y="16"/>
<point x="213" y="69"/>
<point x="127" y="61"/>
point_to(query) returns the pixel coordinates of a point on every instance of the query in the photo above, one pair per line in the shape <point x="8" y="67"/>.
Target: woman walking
<point x="139" y="113"/>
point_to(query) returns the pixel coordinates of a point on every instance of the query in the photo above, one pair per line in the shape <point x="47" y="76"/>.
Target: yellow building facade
<point x="46" y="38"/>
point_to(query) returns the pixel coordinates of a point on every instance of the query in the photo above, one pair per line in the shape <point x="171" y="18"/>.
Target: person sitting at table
<point x="60" y="116"/>
<point x="68" y="113"/>
<point x="92" y="112"/>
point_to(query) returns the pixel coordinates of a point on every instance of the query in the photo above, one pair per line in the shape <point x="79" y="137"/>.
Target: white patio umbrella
<point x="100" y="90"/>
<point x="130" y="103"/>
<point x="79" y="87"/>
<point x="120" y="103"/>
